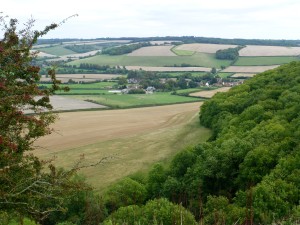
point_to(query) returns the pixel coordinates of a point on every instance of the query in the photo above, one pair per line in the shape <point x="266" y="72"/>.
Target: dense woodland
<point x="248" y="172"/>
<point x="82" y="48"/>
<point x="229" y="53"/>
<point x="124" y="49"/>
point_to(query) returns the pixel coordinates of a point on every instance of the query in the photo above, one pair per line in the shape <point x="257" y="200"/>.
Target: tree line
<point x="124" y="49"/>
<point x="81" y="48"/>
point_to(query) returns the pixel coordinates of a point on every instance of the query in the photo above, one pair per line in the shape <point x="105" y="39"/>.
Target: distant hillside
<point x="186" y="39"/>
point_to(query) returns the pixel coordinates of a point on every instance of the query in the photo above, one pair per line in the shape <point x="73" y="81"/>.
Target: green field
<point x="264" y="60"/>
<point x="84" y="89"/>
<point x="57" y="50"/>
<point x="199" y="59"/>
<point x="191" y="90"/>
<point x="83" y="92"/>
<point x="98" y="85"/>
<point x="136" y="100"/>
<point x="182" y="52"/>
<point x="224" y="75"/>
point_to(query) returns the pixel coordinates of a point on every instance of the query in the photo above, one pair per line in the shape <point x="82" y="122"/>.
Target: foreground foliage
<point x="29" y="186"/>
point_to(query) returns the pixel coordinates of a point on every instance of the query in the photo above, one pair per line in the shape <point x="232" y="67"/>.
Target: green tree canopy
<point x="158" y="211"/>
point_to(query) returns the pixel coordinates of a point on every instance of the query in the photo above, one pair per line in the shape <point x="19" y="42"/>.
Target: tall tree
<point x="29" y="186"/>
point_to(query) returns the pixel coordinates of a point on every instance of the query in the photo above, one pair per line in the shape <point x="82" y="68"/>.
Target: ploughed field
<point x="248" y="69"/>
<point x="256" y="50"/>
<point x="204" y="48"/>
<point x="134" y="138"/>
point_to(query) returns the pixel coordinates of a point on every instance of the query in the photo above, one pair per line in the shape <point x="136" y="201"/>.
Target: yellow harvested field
<point x="171" y="69"/>
<point x="153" y="51"/>
<point x="255" y="50"/>
<point x="246" y="75"/>
<point x="75" y="129"/>
<point x="135" y="138"/>
<point x="248" y="69"/>
<point x="205" y="48"/>
<point x="210" y="93"/>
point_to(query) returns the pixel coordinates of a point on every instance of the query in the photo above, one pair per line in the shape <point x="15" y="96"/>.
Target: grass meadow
<point x="84" y="89"/>
<point x="83" y="92"/>
<point x="264" y="60"/>
<point x="136" y="100"/>
<point x="98" y="85"/>
<point x="182" y="52"/>
<point x="57" y="50"/>
<point x="225" y="75"/>
<point x="192" y="90"/>
<point x="198" y="59"/>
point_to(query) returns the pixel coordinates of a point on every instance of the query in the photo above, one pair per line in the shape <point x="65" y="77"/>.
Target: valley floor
<point x="133" y="138"/>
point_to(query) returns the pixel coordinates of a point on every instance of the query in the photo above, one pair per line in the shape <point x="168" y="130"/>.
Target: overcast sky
<point x="264" y="19"/>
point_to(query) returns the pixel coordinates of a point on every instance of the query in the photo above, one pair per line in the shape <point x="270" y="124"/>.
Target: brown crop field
<point x="76" y="129"/>
<point x="210" y="93"/>
<point x="255" y="50"/>
<point x="248" y="69"/>
<point x="136" y="138"/>
<point x="153" y="51"/>
<point x="205" y="48"/>
<point x="61" y="103"/>
<point x="168" y="69"/>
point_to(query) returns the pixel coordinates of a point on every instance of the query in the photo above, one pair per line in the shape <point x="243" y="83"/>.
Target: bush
<point x="136" y="91"/>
